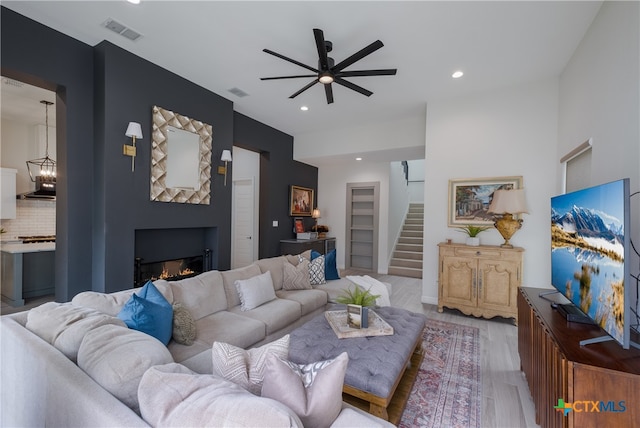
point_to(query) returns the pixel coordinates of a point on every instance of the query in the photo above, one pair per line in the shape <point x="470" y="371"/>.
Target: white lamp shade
<point x="134" y="130"/>
<point x="315" y="213"/>
<point x="226" y="156"/>
<point x="508" y="201"/>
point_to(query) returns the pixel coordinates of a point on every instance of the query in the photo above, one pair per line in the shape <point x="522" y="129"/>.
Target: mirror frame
<point x="162" y="119"/>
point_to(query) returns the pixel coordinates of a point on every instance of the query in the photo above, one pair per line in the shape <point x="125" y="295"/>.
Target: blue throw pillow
<point x="330" y="268"/>
<point x="149" y="312"/>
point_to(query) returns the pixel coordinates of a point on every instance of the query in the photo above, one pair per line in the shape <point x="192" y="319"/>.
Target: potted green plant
<point x="472" y="232"/>
<point x="357" y="296"/>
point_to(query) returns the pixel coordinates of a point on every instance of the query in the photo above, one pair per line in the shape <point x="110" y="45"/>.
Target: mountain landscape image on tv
<point x="588" y="249"/>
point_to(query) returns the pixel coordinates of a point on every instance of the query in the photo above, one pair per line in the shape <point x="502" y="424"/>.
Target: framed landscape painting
<point x="301" y="203"/>
<point x="469" y="199"/>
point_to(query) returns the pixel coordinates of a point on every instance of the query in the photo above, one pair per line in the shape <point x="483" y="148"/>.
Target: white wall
<point x="416" y="181"/>
<point x="332" y="201"/>
<point x="398" y="204"/>
<point x="398" y="140"/>
<point x="600" y="98"/>
<point x="21" y="142"/>
<point x="506" y="132"/>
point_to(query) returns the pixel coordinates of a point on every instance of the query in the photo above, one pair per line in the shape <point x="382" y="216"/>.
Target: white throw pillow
<point x="313" y="391"/>
<point x="255" y="291"/>
<point x="246" y="367"/>
<point x="173" y="395"/>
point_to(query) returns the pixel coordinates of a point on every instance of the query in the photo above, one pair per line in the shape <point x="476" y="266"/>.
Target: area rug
<point x="447" y="389"/>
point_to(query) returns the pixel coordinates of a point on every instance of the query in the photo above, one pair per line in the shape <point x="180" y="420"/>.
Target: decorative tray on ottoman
<point x="338" y="322"/>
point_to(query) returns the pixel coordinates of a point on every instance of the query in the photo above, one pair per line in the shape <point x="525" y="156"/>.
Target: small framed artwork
<point x="301" y="203"/>
<point x="298" y="225"/>
<point x="469" y="199"/>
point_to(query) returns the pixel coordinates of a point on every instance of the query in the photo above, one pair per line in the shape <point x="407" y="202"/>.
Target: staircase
<point x="407" y="256"/>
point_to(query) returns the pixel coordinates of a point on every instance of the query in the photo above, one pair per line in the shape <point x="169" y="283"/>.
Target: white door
<point x="243" y="223"/>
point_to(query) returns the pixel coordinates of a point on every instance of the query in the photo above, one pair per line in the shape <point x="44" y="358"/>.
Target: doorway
<point x="245" y="215"/>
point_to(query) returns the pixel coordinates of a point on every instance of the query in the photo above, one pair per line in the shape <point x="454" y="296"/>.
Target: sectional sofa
<point x="78" y="364"/>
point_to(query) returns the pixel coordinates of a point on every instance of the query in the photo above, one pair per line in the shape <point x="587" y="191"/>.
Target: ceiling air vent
<point x="121" y="29"/>
<point x="238" y="92"/>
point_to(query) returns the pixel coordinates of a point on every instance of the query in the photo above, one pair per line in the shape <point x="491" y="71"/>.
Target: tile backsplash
<point x="33" y="217"/>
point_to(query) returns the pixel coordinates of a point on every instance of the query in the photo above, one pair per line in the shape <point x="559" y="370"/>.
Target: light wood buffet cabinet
<point x="481" y="281"/>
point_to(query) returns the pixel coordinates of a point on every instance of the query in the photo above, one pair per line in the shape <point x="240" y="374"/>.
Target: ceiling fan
<point x="328" y="72"/>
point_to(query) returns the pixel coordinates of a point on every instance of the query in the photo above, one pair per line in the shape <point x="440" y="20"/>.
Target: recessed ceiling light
<point x="358" y="159"/>
<point x="134" y="1"/>
<point x="457" y="74"/>
<point x="304" y="108"/>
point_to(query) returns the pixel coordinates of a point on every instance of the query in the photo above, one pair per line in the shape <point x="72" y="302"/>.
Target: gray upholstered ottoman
<point x="376" y="364"/>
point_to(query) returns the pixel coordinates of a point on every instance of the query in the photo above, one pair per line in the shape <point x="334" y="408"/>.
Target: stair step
<point x="411" y="233"/>
<point x="413" y="227"/>
<point x="414" y="255"/>
<point x="410" y="240"/>
<point x="411" y="263"/>
<point x="413" y="273"/>
<point x="409" y="247"/>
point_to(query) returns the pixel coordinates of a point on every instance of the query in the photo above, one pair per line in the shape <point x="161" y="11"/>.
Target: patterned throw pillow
<point x="246" y="367"/>
<point x="316" y="271"/>
<point x="296" y="277"/>
<point x="184" y="327"/>
<point x="313" y="391"/>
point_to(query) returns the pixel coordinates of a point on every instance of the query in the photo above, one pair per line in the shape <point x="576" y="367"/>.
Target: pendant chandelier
<point x="43" y="169"/>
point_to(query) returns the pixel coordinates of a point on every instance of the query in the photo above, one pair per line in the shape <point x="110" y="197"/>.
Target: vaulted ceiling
<point x="218" y="45"/>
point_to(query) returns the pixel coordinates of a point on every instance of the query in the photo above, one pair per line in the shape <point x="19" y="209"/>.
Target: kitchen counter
<point x="28" y="270"/>
<point x="19" y="247"/>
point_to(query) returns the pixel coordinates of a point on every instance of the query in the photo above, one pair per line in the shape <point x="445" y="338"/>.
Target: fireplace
<point x="171" y="270"/>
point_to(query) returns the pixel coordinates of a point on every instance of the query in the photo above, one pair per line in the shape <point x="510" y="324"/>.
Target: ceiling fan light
<point x="325" y="78"/>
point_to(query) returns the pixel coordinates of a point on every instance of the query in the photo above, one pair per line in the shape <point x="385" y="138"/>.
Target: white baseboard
<point x="429" y="300"/>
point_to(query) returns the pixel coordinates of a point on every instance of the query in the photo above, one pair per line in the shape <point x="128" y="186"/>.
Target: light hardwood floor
<point x="506" y="402"/>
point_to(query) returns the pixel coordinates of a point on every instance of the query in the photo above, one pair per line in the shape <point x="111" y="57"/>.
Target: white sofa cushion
<point x="313" y="391"/>
<point x="246" y="367"/>
<point x="229" y="278"/>
<point x="112" y="303"/>
<point x="117" y="357"/>
<point x="172" y="395"/>
<point x="255" y="291"/>
<point x="202" y="295"/>
<point x="275" y="266"/>
<point x="64" y="325"/>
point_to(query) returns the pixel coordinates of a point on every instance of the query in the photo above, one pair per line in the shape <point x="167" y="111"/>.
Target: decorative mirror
<point x="180" y="159"/>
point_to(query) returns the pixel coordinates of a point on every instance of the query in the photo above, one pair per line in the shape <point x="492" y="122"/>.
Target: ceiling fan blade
<point x="352" y="86"/>
<point x="358" y="56"/>
<point x="290" y="60"/>
<point x="384" y="72"/>
<point x="329" y="92"/>
<point x="288" y="77"/>
<point x="304" y="89"/>
<point x="322" y="49"/>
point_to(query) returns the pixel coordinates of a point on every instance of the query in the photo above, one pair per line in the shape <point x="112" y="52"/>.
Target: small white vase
<point x="473" y="242"/>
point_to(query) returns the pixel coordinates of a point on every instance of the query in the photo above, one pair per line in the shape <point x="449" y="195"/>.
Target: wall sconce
<point x="222" y="170"/>
<point x="134" y="130"/>
<point x="507" y="203"/>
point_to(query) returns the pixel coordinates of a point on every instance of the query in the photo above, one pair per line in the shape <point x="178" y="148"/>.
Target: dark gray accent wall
<point x="127" y="88"/>
<point x="278" y="171"/>
<point x="101" y="204"/>
<point x="40" y="56"/>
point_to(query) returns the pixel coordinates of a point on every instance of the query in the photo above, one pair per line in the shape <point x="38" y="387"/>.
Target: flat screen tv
<point x="590" y="250"/>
